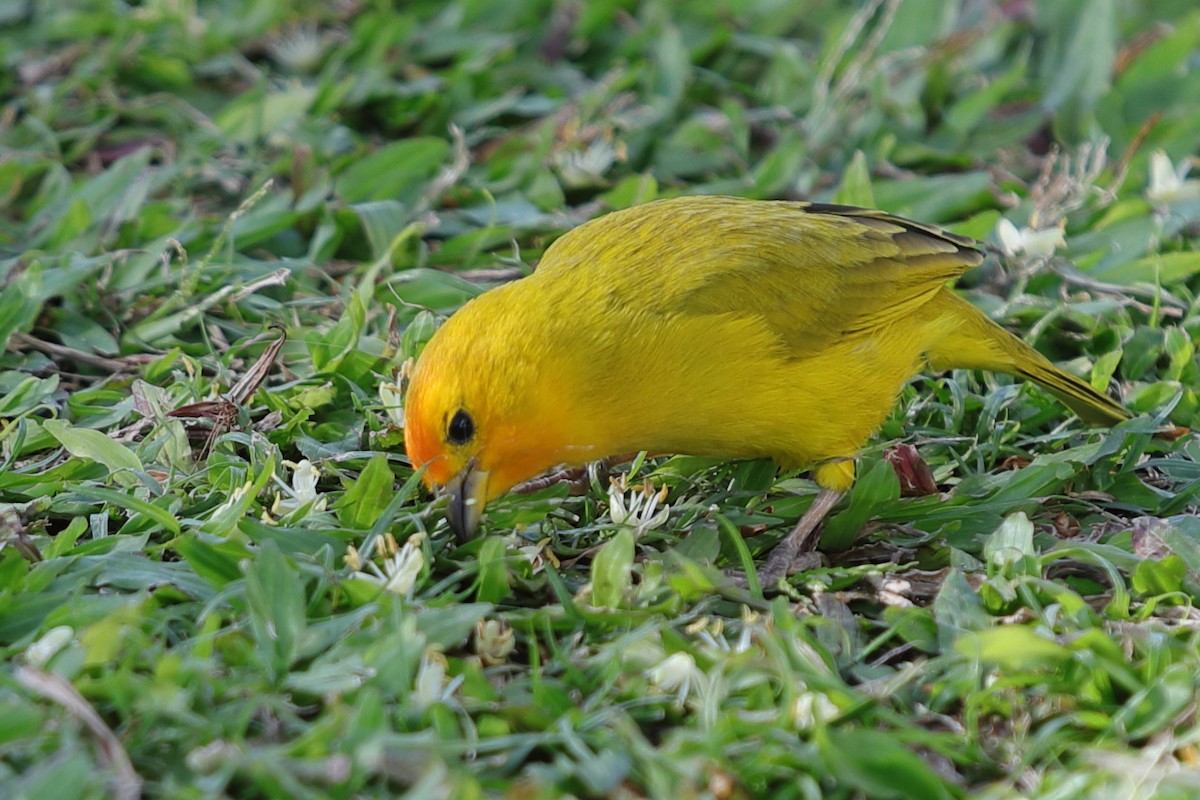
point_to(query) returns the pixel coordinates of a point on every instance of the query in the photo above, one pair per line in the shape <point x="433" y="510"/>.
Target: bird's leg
<point x="801" y="540"/>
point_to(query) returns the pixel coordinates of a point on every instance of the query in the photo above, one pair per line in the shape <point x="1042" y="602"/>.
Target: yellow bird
<point x="712" y="326"/>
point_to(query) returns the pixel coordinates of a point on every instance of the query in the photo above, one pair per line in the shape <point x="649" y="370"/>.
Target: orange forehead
<point x="423" y="440"/>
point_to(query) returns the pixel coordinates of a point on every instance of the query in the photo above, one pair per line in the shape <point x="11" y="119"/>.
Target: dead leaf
<point x="1065" y="525"/>
<point x="1016" y="462"/>
<point x="916" y="479"/>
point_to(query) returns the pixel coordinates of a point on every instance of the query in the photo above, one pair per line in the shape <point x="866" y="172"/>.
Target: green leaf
<point x="1104" y="369"/>
<point x="973" y="110"/>
<point x="394" y="172"/>
<point x="879" y="766"/>
<point x="873" y="490"/>
<point x="19" y="718"/>
<point x="136" y="572"/>
<point x="65" y="539"/>
<point x="99" y="447"/>
<point x="227" y="516"/>
<point x="18" y="309"/>
<point x="134" y="504"/>
<point x="1010" y="551"/>
<point x="612" y="571"/>
<point x="632" y="191"/>
<point x="493" y="584"/>
<point x="915" y="626"/>
<point x="855" y="188"/>
<point x="451" y="626"/>
<point x="1153" y="578"/>
<point x="958" y="609"/>
<point x="1083" y="72"/>
<point x="935" y="199"/>
<point x="328" y="349"/>
<point x="368" y="496"/>
<point x="28" y="394"/>
<point x="383" y="222"/>
<point x="417" y="334"/>
<point x="1156" y="707"/>
<point x="1181" y="350"/>
<point x="275" y="601"/>
<point x="1164" y="269"/>
<point x="431" y="289"/>
<point x="1012" y="647"/>
<point x="22" y="614"/>
<point x="1182" y="536"/>
<point x="254" y="115"/>
<point x="72" y="776"/>
<point x="214" y="559"/>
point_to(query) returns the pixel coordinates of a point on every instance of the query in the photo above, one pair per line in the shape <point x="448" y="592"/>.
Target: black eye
<point x="461" y="429"/>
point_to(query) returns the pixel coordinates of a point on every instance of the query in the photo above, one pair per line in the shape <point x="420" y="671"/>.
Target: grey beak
<point x="468" y="495"/>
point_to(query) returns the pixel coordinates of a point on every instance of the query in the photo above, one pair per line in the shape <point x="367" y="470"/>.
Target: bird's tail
<point x="1090" y="405"/>
<point x="972" y="341"/>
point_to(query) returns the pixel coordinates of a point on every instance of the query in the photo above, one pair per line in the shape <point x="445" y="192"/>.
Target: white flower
<point x="299" y="50"/>
<point x="403" y="568"/>
<point x="811" y="708"/>
<point x="45" y="648"/>
<point x="536" y="554"/>
<point x="753" y="624"/>
<point x="231" y="502"/>
<point x="494" y="641"/>
<point x="587" y="167"/>
<point x="302" y="492"/>
<point x="1029" y="241"/>
<point x="391" y="397"/>
<point x="400" y="569"/>
<point x="676" y="673"/>
<point x="1167" y="182"/>
<point x="430" y="685"/>
<point x="641" y="511"/>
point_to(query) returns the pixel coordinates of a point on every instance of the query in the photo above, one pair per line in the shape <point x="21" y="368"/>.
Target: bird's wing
<point x="813" y="273"/>
<point x="819" y="273"/>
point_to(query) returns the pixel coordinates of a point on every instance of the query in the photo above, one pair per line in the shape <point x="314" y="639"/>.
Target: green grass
<point x="180" y="611"/>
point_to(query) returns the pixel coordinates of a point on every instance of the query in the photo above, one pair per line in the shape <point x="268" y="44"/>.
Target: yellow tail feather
<point x="1090" y="405"/>
<point x="972" y="341"/>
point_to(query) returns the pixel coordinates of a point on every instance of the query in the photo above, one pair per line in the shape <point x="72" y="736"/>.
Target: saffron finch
<point x="712" y="326"/>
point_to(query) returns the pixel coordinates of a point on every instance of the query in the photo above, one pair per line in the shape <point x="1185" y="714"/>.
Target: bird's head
<point x="483" y="411"/>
